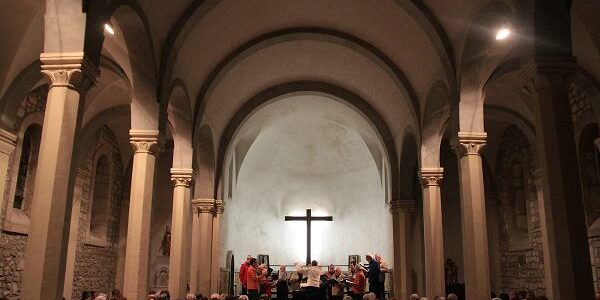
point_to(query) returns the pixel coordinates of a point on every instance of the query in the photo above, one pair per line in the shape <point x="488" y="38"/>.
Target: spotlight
<point x="502" y="33"/>
<point x="109" y="29"/>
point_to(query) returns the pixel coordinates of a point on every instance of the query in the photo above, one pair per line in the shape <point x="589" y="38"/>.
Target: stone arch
<point x="320" y="88"/>
<point x="479" y="59"/>
<point x="179" y="118"/>
<point x="137" y="59"/>
<point x="28" y="80"/>
<point x="326" y="34"/>
<point x="197" y="10"/>
<point x="435" y="120"/>
<point x="206" y="185"/>
<point x="590" y="175"/>
<point x="409" y="188"/>
<point x="518" y="211"/>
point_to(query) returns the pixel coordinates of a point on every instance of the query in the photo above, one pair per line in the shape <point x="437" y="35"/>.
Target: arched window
<point x="27" y="165"/>
<point x="101" y="199"/>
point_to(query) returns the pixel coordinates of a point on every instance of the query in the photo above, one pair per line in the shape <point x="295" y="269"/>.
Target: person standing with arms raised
<point x="253" y="279"/>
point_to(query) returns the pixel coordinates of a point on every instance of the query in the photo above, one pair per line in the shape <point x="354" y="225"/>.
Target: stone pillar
<point x="215" y="270"/>
<point x="568" y="248"/>
<point x="493" y="239"/>
<point x="203" y="210"/>
<point x="474" y="226"/>
<point x="537" y="177"/>
<point x="144" y="144"/>
<point x="122" y="245"/>
<point x="74" y="232"/>
<point x="7" y="147"/>
<point x="181" y="179"/>
<point x="435" y="284"/>
<point x="45" y="259"/>
<point x="403" y="211"/>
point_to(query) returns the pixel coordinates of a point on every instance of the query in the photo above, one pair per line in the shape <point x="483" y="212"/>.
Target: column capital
<point x="8" y="142"/>
<point x="72" y="70"/>
<point x="219" y="206"/>
<point x="469" y="143"/>
<point x="143" y="140"/>
<point x="206" y="206"/>
<point x="181" y="177"/>
<point x="403" y="207"/>
<point x="549" y="72"/>
<point x="431" y="176"/>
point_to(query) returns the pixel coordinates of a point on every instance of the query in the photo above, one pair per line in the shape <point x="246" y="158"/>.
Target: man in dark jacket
<point x="373" y="276"/>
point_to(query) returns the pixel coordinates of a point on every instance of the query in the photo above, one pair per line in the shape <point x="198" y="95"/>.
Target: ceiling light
<point x="503" y="33"/>
<point x="109" y="29"/>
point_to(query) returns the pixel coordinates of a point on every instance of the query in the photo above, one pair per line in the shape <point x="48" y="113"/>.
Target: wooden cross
<point x="308" y="218"/>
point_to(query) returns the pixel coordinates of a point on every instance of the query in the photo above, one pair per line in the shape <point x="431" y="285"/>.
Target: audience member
<point x="452" y="297"/>
<point x="414" y="297"/>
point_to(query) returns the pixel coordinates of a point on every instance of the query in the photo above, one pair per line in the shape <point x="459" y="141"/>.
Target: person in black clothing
<point x="373" y="276"/>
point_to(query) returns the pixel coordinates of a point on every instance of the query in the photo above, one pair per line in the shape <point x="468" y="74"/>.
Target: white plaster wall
<point x="307" y="154"/>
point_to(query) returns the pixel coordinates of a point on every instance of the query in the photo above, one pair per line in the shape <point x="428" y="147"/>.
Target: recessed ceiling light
<point x="109" y="29"/>
<point x="502" y="34"/>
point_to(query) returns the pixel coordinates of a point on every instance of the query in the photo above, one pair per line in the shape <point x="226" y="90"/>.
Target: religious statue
<point x="165" y="246"/>
<point x="451" y="272"/>
<point x="161" y="278"/>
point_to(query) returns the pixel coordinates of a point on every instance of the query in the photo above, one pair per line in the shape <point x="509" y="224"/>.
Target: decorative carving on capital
<point x="431" y="176"/>
<point x="8" y="142"/>
<point x="72" y="70"/>
<point x="143" y="141"/>
<point x="403" y="207"/>
<point x="203" y="206"/>
<point x="469" y="143"/>
<point x="181" y="177"/>
<point x="546" y="73"/>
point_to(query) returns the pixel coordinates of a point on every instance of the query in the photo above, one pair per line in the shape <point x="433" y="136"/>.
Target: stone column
<point x="403" y="211"/>
<point x="181" y="213"/>
<point x="45" y="259"/>
<point x="215" y="269"/>
<point x="568" y="248"/>
<point x="474" y="226"/>
<point x="492" y="208"/>
<point x="7" y="147"/>
<point x="144" y="144"/>
<point x="435" y="283"/>
<point x="74" y="232"/>
<point x="203" y="210"/>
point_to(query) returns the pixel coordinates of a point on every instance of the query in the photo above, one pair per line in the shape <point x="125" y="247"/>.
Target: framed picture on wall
<point x="353" y="259"/>
<point x="263" y="259"/>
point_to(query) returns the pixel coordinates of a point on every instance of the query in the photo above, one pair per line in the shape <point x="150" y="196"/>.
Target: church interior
<point x="153" y="145"/>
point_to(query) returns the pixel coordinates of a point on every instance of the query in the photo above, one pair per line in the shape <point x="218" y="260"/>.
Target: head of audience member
<point x="253" y="262"/>
<point x="152" y="294"/>
<point x="414" y="297"/>
<point x="530" y="295"/>
<point x="199" y="296"/>
<point x="440" y="298"/>
<point x="452" y="297"/>
<point x="243" y="297"/>
<point x="347" y="297"/>
<point x="369" y="296"/>
<point x="190" y="297"/>
<point x="314" y="263"/>
<point x="504" y="296"/>
<point x="86" y="295"/>
<point x="163" y="295"/>
<point x="513" y="296"/>
<point x="100" y="296"/>
<point x="116" y="294"/>
<point x="215" y="296"/>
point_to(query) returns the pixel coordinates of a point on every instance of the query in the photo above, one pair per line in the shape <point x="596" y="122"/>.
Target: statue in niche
<point x="451" y="272"/>
<point x="165" y="246"/>
<point x="161" y="278"/>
